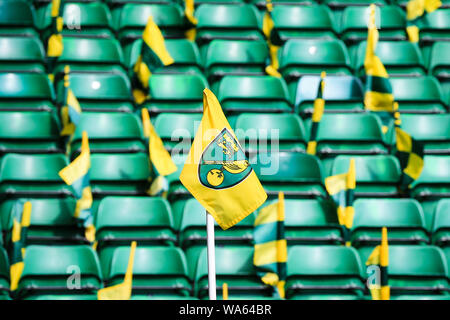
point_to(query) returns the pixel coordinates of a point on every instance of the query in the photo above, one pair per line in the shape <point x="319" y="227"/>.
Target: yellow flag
<point x="121" y="291"/>
<point x="217" y="172"/>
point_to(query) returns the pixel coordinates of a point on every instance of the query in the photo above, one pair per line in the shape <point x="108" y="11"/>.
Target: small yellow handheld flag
<point x="121" y="291"/>
<point x="217" y="172"/>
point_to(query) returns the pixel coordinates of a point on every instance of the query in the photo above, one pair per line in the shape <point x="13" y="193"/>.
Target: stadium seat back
<point x="17" y="18"/>
<point x="439" y="65"/>
<point x="434" y="180"/>
<point x="21" y="54"/>
<point x="441" y="224"/>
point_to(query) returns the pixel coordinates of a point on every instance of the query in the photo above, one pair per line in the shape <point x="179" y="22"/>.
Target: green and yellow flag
<point x="380" y="258"/>
<point x="121" y="291"/>
<point x="76" y="174"/>
<point x="21" y="222"/>
<point x="55" y="45"/>
<point x="270" y="254"/>
<point x="154" y="55"/>
<point x="191" y="20"/>
<point x="378" y="95"/>
<point x="319" y="106"/>
<point x="71" y="110"/>
<point x="416" y="11"/>
<point x="273" y="41"/>
<point x="341" y="188"/>
<point x="217" y="172"/>
<point x="159" y="157"/>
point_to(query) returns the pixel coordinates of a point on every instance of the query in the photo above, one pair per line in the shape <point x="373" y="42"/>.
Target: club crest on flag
<point x="223" y="163"/>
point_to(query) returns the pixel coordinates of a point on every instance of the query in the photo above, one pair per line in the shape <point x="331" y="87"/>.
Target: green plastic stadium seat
<point x="439" y="65"/>
<point x="176" y="93"/>
<point x="90" y="19"/>
<point x="235" y="57"/>
<point x="401" y="58"/>
<point x="109" y="133"/>
<point x="415" y="270"/>
<point x="88" y="55"/>
<point x="230" y="22"/>
<point x="103" y="92"/>
<point x="340" y="4"/>
<point x="259" y="132"/>
<point x="26" y="92"/>
<point x="441" y="224"/>
<point x="302" y="57"/>
<point x="47" y="270"/>
<point x="253" y="94"/>
<point x="234" y="265"/>
<point x="177" y="191"/>
<point x="433" y="130"/>
<point x="193" y="233"/>
<point x="353" y="24"/>
<point x="17" y="18"/>
<point x="21" y="54"/>
<point x="156" y="270"/>
<point x="341" y="93"/>
<point x="311" y="221"/>
<point x="185" y="54"/>
<point x="4" y="275"/>
<point x="435" y="26"/>
<point x="33" y="176"/>
<point x="418" y="95"/>
<point x="177" y="130"/>
<point x="316" y="270"/>
<point x="113" y="3"/>
<point x="296" y="174"/>
<point x="293" y="22"/>
<point x="261" y="4"/>
<point x="403" y="218"/>
<point x="92" y="296"/>
<point x="29" y="132"/>
<point x="199" y="2"/>
<point x="376" y="175"/>
<point x="119" y="174"/>
<point x="133" y="18"/>
<point x="434" y="181"/>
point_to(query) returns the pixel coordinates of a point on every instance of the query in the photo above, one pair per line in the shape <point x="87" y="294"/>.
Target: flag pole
<point x="211" y="256"/>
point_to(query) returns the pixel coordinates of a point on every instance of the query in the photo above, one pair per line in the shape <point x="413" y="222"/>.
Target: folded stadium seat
<point x="415" y="271"/>
<point x="305" y="57"/>
<point x="234" y="265"/>
<point x="377" y="176"/>
<point x="109" y="133"/>
<point x="228" y="22"/>
<point x="85" y="55"/>
<point x="102" y="92"/>
<point x="419" y="95"/>
<point x="199" y="2"/>
<point x="119" y="174"/>
<point x="439" y="65"/>
<point x="324" y="272"/>
<point x="311" y="221"/>
<point x="353" y="24"/>
<point x="264" y="132"/>
<point x="17" y="18"/>
<point x="441" y="224"/>
<point x="433" y="184"/>
<point x="21" y="54"/>
<point x="37" y="176"/>
<point x="157" y="271"/>
<point x="341" y="94"/>
<point x="305" y="22"/>
<point x="177" y="130"/>
<point x="29" y="132"/>
<point x="235" y="57"/>
<point x="47" y="270"/>
<point x="132" y="18"/>
<point x="193" y="233"/>
<point x="298" y="175"/>
<point x="26" y="92"/>
<point x="175" y="93"/>
<point x="403" y="218"/>
<point x="118" y="3"/>
<point x="185" y="54"/>
<point x="261" y="4"/>
<point x="88" y="19"/>
<point x="357" y="134"/>
<point x="4" y="275"/>
<point x="253" y="94"/>
<point x="337" y="5"/>
<point x="432" y="130"/>
<point x="401" y="58"/>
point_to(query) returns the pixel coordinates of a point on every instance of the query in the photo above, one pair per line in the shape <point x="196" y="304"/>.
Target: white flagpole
<point x="211" y="256"/>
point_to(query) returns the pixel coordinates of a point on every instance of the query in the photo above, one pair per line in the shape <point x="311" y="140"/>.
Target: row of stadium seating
<point x="313" y="272"/>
